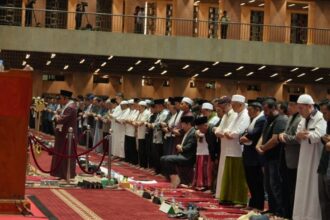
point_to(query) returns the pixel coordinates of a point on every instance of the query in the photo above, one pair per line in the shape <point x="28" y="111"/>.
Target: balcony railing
<point x="161" y="26"/>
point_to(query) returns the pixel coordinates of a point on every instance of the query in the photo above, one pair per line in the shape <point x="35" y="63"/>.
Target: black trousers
<point x="131" y="154"/>
<point x="255" y="181"/>
<point x="149" y="145"/>
<point x="143" y="159"/>
<point x="169" y="163"/>
<point x="224" y="28"/>
<point x="168" y="146"/>
<point x="28" y="17"/>
<point x="324" y="196"/>
<point x="156" y="154"/>
<point x="274" y="187"/>
<point x="289" y="188"/>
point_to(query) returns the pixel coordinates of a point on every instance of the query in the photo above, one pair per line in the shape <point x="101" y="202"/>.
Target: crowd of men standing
<point x="230" y="145"/>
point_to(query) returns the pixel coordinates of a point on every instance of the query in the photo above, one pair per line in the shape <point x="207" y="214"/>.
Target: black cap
<point x="159" y="101"/>
<point x="178" y="99"/>
<point x="224" y="100"/>
<point x="187" y="119"/>
<point x="255" y="104"/>
<point x="171" y="100"/>
<point x="80" y="97"/>
<point x="136" y="100"/>
<point x="104" y="97"/>
<point x="201" y="120"/>
<point x="293" y="98"/>
<point x="113" y="101"/>
<point x="200" y="101"/>
<point x="66" y="93"/>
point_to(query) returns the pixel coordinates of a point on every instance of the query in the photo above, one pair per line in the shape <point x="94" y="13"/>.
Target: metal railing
<point x="161" y="26"/>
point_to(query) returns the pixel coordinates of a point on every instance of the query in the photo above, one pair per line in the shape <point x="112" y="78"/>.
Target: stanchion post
<point x="68" y="170"/>
<point x="88" y="132"/>
<point x="109" y="156"/>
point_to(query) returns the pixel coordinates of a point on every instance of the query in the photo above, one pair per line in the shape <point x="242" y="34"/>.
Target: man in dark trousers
<point x="186" y="152"/>
<point x="252" y="161"/>
<point x="64" y="120"/>
<point x="28" y="12"/>
<point x="291" y="154"/>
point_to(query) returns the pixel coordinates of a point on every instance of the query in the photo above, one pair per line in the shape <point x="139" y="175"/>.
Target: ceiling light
<point x="289" y="80"/>
<point x="195" y="75"/>
<point x="205" y="69"/>
<point x="216" y="63"/>
<point x="196" y="3"/>
<point x="251" y="1"/>
<point x="249" y="74"/>
<point x="162" y="73"/>
<point x="319" y="79"/>
<point x="82" y="61"/>
<point x="316" y="68"/>
<point x="243" y="3"/>
<point x="130" y="69"/>
<point x="228" y="74"/>
<point x="105" y="76"/>
<point x="96" y="71"/>
<point x="262" y="4"/>
<point x="103" y="64"/>
<point x="300" y="75"/>
<point x="185" y="67"/>
<point x="305" y="7"/>
<point x="262" y="67"/>
<point x="66" y="67"/>
<point x="24" y="63"/>
<point x="138" y="62"/>
<point x="109" y="58"/>
<point x="158" y="61"/>
<point x="48" y="62"/>
<point x="27" y="56"/>
<point x="294" y="69"/>
<point x="151" y="68"/>
<point x="291" y="5"/>
<point x="53" y="56"/>
<point x="275" y="74"/>
<point x="239" y="68"/>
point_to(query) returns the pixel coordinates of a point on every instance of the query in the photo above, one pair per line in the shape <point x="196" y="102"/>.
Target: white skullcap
<point x="187" y="100"/>
<point x="305" y="99"/>
<point x="166" y="100"/>
<point x="143" y="103"/>
<point x="108" y="101"/>
<point x="131" y="101"/>
<point x="123" y="103"/>
<point x="238" y="98"/>
<point x="148" y="101"/>
<point x="207" y="106"/>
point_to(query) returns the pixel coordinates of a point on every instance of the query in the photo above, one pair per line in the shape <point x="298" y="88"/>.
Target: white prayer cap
<point x="123" y="103"/>
<point x="143" y="103"/>
<point x="187" y="100"/>
<point x="166" y="101"/>
<point x="108" y="101"/>
<point x="238" y="98"/>
<point x="148" y="101"/>
<point x="207" y="106"/>
<point x="131" y="101"/>
<point x="305" y="99"/>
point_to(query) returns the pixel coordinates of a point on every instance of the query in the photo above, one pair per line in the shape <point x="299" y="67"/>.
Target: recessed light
<point x="228" y="74"/>
<point x="27" y="56"/>
<point x="316" y="68"/>
<point x="294" y="69"/>
<point x="291" y="5"/>
<point x="82" y="61"/>
<point x="96" y="71"/>
<point x="262" y="67"/>
<point x="195" y="75"/>
<point x="151" y="68"/>
<point x="262" y="4"/>
<point x="162" y="73"/>
<point x="66" y="67"/>
<point x="300" y="75"/>
<point x="196" y="3"/>
<point x="243" y="3"/>
<point x="24" y="63"/>
<point x="275" y="74"/>
<point x="215" y="63"/>
<point x="138" y="62"/>
<point x="239" y="68"/>
<point x="185" y="67"/>
<point x="130" y="69"/>
<point x="48" y="62"/>
<point x="251" y="1"/>
<point x="53" y="56"/>
<point x="319" y="79"/>
<point x="249" y="74"/>
<point x="205" y="69"/>
<point x="104" y="63"/>
<point x="289" y="80"/>
<point x="305" y="7"/>
<point x="158" y="61"/>
<point x="109" y="58"/>
<point x="105" y="76"/>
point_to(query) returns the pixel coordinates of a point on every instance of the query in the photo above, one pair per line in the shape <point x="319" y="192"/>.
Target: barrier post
<point x="68" y="170"/>
<point x="109" y="156"/>
<point x="88" y="132"/>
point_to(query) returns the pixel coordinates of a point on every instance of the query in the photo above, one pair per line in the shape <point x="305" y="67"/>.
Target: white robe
<point x="224" y="124"/>
<point x="120" y="150"/>
<point x="306" y="202"/>
<point x="114" y="126"/>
